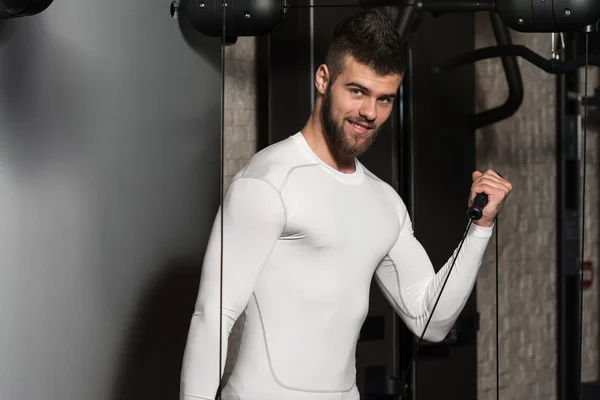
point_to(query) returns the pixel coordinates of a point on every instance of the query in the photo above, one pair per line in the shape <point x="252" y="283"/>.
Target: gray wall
<point x="109" y="145"/>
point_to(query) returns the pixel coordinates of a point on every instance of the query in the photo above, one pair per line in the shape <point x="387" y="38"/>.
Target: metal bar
<point x="406" y="188"/>
<point x="568" y="232"/>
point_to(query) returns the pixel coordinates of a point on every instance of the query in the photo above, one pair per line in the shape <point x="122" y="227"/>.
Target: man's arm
<point x="253" y="218"/>
<point x="408" y="280"/>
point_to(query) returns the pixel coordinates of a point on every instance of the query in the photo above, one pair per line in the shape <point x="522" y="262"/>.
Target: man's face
<point x="355" y="107"/>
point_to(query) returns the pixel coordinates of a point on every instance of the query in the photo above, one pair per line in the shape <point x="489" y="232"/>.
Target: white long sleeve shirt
<point x="301" y="245"/>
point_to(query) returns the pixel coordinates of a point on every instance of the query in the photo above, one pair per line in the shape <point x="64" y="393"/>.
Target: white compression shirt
<point x="301" y="245"/>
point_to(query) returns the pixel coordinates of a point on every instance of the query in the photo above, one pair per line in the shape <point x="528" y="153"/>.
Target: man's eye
<point x="356" y="91"/>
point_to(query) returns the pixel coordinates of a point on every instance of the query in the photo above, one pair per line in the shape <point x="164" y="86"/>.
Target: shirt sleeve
<point x="253" y="219"/>
<point x="408" y="280"/>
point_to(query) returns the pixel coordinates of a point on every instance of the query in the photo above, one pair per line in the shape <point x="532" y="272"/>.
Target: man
<point x="306" y="227"/>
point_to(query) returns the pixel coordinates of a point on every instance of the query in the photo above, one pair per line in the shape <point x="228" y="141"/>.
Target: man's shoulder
<point x="273" y="163"/>
<point x="385" y="188"/>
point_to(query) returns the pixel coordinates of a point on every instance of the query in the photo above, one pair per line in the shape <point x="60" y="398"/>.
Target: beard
<point x="346" y="145"/>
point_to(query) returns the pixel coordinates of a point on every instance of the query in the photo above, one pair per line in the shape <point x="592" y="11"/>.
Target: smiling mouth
<point x="360" y="128"/>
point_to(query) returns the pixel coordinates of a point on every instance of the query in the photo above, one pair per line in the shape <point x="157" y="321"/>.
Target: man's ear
<point x="322" y="79"/>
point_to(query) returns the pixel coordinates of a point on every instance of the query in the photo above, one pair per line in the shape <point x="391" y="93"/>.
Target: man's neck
<point x="319" y="143"/>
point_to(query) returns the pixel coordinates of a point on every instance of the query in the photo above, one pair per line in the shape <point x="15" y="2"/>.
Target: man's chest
<point x="348" y="221"/>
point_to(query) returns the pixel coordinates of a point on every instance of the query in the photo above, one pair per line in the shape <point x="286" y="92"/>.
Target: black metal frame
<point x="405" y="187"/>
<point x="568" y="230"/>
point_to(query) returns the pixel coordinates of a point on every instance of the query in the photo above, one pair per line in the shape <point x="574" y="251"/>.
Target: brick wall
<point x="240" y="105"/>
<point x="591" y="300"/>
<point x="522" y="149"/>
<point x="240" y="132"/>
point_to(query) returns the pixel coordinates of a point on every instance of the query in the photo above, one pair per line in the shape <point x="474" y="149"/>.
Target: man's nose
<point x="368" y="110"/>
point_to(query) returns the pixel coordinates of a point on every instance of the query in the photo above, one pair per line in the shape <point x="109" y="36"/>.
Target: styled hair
<point x="371" y="39"/>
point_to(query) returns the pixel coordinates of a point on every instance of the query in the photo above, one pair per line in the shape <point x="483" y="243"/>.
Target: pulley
<point x="548" y="15"/>
<point x="260" y="17"/>
<point x="22" y="8"/>
<point x="242" y="17"/>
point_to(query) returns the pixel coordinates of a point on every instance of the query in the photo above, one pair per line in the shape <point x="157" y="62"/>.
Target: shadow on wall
<point x="153" y="352"/>
<point x="19" y="79"/>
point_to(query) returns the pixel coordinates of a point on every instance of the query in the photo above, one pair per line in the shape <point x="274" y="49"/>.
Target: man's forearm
<point x="409" y="282"/>
<point x="463" y="267"/>
<point x="200" y="375"/>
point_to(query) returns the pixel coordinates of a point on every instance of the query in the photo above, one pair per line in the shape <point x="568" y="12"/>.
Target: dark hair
<point x="371" y="39"/>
